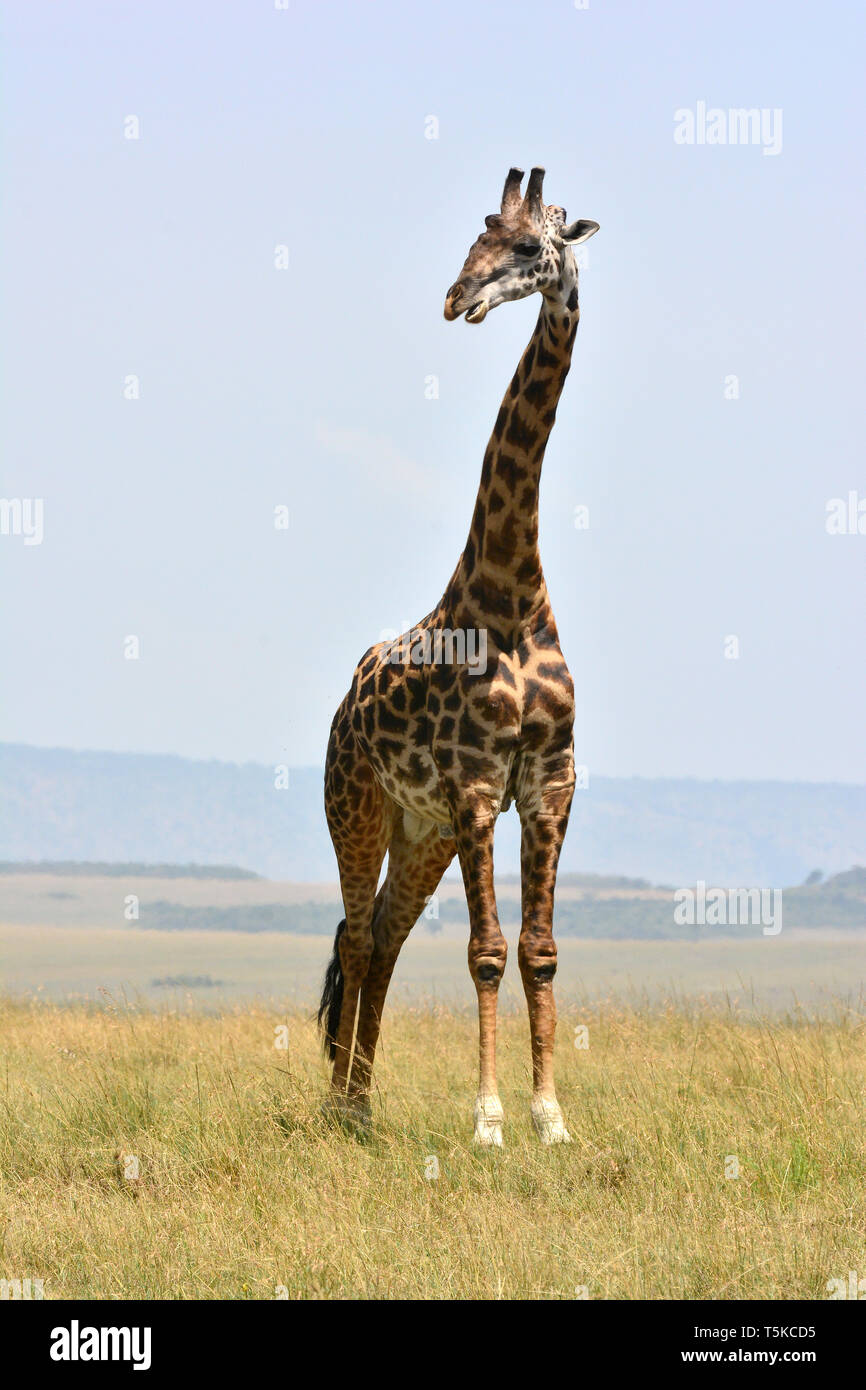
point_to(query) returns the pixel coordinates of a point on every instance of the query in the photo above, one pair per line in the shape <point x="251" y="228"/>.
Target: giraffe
<point x="430" y="744"/>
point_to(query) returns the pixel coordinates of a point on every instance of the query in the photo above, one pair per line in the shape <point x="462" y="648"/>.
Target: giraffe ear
<point x="581" y="230"/>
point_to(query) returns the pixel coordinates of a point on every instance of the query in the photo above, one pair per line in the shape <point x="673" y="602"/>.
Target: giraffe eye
<point x="527" y="248"/>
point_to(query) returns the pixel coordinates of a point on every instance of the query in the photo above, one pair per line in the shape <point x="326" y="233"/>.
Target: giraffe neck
<point x="501" y="568"/>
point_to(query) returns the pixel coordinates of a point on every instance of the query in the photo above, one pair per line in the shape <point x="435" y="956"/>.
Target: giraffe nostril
<point x="453" y="301"/>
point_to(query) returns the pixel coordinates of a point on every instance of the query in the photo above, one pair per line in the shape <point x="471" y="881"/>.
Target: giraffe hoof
<point x="487" y="1136"/>
<point x="488" y="1123"/>
<point x="352" y="1113"/>
<point x="548" y="1122"/>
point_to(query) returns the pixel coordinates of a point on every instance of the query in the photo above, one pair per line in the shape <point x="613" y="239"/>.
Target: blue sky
<point x="306" y="127"/>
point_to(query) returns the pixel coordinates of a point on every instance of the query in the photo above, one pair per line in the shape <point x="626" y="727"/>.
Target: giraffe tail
<point x="332" y="998"/>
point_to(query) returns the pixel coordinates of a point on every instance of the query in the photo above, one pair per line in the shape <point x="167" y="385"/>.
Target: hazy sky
<point x="259" y="387"/>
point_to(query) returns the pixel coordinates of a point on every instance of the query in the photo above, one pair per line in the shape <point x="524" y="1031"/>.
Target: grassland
<point x="64" y="935"/>
<point x="243" y="1191"/>
<point x="208" y="970"/>
<point x="155" y="1142"/>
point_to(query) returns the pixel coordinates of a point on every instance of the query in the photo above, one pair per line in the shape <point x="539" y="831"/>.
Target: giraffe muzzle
<point x="453" y="299"/>
<point x="456" y="303"/>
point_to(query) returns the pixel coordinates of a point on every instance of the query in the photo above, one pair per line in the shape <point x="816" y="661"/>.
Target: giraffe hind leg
<point x="359" y="819"/>
<point x="414" y="870"/>
<point x="331" y="1002"/>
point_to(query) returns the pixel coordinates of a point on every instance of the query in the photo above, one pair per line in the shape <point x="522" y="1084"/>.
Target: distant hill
<point x="586" y="906"/>
<point x="82" y="868"/>
<point x="56" y="804"/>
<point x="633" y="913"/>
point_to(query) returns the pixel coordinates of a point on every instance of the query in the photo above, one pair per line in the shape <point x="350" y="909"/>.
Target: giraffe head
<point x="522" y="251"/>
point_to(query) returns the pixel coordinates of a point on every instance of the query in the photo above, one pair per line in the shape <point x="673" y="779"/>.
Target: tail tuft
<point x="332" y="998"/>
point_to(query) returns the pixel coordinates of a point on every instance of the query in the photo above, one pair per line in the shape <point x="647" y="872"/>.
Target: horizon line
<point x="320" y="767"/>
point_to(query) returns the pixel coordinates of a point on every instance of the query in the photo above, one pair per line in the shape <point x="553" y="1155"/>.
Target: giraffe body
<point x="426" y="752"/>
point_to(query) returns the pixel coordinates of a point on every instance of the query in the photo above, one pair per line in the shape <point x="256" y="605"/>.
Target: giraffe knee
<point x="487" y="966"/>
<point x="537" y="963"/>
<point x="542" y="973"/>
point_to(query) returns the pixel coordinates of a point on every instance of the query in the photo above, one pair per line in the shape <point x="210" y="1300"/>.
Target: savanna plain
<point x="179" y="1153"/>
<point x="161" y="1132"/>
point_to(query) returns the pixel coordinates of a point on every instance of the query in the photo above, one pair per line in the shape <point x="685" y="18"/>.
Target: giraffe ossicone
<point x="426" y="751"/>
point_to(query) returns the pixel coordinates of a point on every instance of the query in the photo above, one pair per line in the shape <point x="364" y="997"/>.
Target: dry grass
<point x="242" y="1188"/>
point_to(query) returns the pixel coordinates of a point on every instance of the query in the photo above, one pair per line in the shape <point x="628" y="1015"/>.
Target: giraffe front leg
<point x="543" y="832"/>
<point x="473" y="829"/>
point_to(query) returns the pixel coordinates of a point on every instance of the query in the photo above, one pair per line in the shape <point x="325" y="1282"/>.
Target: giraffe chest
<point x="414" y="744"/>
<point x="429" y="733"/>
